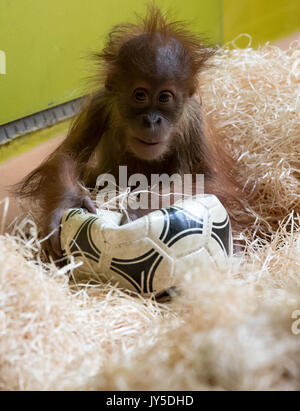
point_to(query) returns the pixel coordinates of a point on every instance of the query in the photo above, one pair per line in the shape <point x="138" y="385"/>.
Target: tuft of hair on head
<point x="154" y="22"/>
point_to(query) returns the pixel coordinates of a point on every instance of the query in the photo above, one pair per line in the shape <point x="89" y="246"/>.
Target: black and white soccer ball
<point x="143" y="255"/>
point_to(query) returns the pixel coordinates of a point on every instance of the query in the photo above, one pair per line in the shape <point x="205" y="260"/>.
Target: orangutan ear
<point x="108" y="84"/>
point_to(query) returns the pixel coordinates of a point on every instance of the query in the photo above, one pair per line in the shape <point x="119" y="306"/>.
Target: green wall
<point x="47" y="43"/>
<point x="264" y="20"/>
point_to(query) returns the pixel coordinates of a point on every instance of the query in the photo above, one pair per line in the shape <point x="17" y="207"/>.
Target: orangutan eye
<point x="140" y="96"/>
<point x="165" y="97"/>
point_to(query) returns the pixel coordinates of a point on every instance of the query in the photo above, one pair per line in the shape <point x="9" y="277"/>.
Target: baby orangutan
<point x="144" y="115"/>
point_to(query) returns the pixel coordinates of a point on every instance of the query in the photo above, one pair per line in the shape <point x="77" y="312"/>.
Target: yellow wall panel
<point x="264" y="20"/>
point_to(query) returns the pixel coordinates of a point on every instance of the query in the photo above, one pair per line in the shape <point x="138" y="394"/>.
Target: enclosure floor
<point x="14" y="169"/>
<point x="284" y="42"/>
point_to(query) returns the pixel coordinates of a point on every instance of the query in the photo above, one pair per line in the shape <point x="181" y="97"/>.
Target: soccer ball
<point x="143" y="255"/>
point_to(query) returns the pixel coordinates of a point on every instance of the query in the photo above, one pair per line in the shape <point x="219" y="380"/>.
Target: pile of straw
<point x="253" y="98"/>
<point x="230" y="329"/>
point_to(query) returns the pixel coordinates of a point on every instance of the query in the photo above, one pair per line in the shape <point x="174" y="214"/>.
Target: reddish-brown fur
<point x="104" y="135"/>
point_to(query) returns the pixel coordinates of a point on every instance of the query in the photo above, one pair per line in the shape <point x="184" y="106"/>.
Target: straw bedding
<point x="230" y="329"/>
